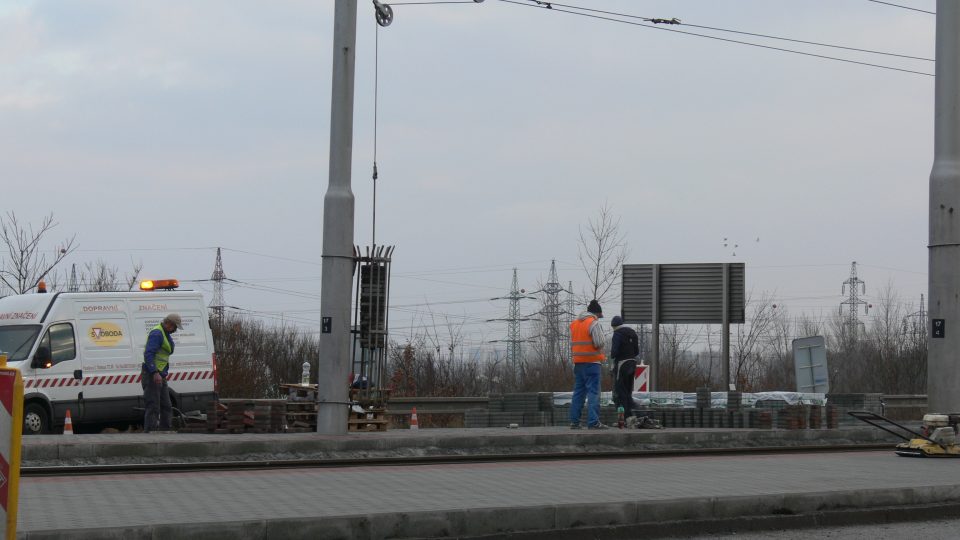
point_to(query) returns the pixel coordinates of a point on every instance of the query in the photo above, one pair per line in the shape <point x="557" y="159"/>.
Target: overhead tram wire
<point x="903" y="7"/>
<point x="716" y="29"/>
<point x="435" y="3"/>
<point x="543" y="5"/>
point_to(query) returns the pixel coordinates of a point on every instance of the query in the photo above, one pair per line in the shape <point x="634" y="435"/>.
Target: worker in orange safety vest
<point x="587" y="342"/>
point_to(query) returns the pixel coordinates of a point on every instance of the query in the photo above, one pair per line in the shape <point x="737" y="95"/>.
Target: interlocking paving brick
<point x="263" y="496"/>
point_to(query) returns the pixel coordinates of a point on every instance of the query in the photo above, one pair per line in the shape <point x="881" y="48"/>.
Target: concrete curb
<point x="628" y="519"/>
<point x="176" y="448"/>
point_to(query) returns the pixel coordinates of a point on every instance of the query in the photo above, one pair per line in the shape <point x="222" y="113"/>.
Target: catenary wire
<point x="903" y="7"/>
<point x="781" y="49"/>
<point x="819" y="44"/>
<point x="433" y="3"/>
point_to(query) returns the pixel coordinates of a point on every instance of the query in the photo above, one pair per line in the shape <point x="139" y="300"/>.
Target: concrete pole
<point x="336" y="282"/>
<point x="943" y="375"/>
<point x="655" y="332"/>
<point x="725" y="328"/>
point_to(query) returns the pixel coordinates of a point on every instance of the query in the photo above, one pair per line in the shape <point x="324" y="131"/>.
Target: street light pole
<point x="943" y="350"/>
<point x="336" y="282"/>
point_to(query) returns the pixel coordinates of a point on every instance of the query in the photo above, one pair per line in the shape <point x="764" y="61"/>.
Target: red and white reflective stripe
<point x="104" y="380"/>
<point x="6" y="440"/>
<point x="641" y="378"/>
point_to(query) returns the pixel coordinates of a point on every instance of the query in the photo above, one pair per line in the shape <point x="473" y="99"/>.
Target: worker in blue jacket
<point x="158" y="411"/>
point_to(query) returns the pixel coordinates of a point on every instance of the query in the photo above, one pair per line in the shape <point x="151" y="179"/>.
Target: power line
<point x="677" y="21"/>
<point x="903" y="7"/>
<point x="435" y="3"/>
<point x="656" y="27"/>
<point x="471" y="269"/>
<point x="201" y="248"/>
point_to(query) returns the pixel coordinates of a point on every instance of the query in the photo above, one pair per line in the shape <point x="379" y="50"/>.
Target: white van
<point x="84" y="351"/>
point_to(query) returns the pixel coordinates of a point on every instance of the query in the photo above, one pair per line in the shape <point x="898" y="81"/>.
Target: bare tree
<point x="679" y="369"/>
<point x="602" y="250"/>
<point x="26" y="265"/>
<point x="101" y="277"/>
<point x="748" y="347"/>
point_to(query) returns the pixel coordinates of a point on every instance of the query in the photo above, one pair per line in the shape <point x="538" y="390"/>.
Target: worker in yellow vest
<point x="156" y="364"/>
<point x="587" y="341"/>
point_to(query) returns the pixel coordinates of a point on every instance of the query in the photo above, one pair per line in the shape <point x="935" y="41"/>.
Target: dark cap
<point x="616" y="321"/>
<point x="594" y="307"/>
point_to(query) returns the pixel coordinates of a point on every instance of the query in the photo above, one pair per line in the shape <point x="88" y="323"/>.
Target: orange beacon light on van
<point x="158" y="284"/>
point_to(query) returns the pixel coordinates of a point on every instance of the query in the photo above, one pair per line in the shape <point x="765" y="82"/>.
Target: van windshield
<point x="17" y="340"/>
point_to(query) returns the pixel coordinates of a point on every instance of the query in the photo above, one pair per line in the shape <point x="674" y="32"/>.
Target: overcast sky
<point x="157" y="131"/>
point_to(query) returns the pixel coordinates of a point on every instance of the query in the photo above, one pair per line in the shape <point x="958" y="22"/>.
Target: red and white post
<point x="11" y="427"/>
<point x="641" y="378"/>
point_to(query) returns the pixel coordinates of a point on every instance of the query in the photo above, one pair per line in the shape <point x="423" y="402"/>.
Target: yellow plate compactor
<point x="937" y="436"/>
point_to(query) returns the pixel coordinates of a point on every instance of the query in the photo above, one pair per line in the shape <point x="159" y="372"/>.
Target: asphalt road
<point x="930" y="530"/>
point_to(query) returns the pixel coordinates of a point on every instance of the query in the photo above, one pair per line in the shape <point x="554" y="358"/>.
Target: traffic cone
<point x="68" y="424"/>
<point x="413" y="420"/>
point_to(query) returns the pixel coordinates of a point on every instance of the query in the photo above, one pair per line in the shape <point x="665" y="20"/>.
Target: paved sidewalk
<point x="472" y="499"/>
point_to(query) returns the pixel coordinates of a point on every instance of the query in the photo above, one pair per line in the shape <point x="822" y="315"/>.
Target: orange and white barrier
<point x="414" y="424"/>
<point x="11" y="425"/>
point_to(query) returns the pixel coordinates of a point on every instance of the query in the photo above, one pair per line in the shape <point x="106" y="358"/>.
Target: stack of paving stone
<point x="546" y="401"/>
<point x="703" y="397"/>
<point x="762" y="418"/>
<point x="495" y="403"/>
<point x="734" y="407"/>
<point x="526" y="402"/>
<point x="476" y="418"/>
<point x="521" y="409"/>
<point x="816" y="416"/>
<point x="734" y="400"/>
<point x="561" y="414"/>
<point x="843" y="403"/>
<point x="531" y="409"/>
<point x="833" y="416"/>
<point x="793" y="417"/>
<point x="505" y="418"/>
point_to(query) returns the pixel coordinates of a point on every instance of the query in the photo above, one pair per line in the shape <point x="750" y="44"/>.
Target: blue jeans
<point x="586" y="386"/>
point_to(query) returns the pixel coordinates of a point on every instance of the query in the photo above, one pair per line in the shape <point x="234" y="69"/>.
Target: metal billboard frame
<point x="690" y="293"/>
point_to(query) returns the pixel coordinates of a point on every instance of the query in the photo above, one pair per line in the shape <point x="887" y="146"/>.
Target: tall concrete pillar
<point x="943" y="364"/>
<point x="336" y="282"/>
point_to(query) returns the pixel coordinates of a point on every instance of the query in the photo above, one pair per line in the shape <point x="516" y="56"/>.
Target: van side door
<point x="111" y="370"/>
<point x="58" y="378"/>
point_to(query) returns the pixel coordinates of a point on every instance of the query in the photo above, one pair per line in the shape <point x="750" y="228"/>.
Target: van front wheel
<point x="36" y="420"/>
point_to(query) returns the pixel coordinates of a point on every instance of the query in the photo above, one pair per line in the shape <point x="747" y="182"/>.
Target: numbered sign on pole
<point x="11" y="425"/>
<point x="641" y="378"/>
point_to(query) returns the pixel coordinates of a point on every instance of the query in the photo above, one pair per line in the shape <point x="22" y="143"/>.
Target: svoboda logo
<point x="105" y="334"/>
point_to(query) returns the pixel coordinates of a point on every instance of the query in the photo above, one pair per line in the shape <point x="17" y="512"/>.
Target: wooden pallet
<point x="374" y="419"/>
<point x="370" y="395"/>
<point x="300" y="392"/>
